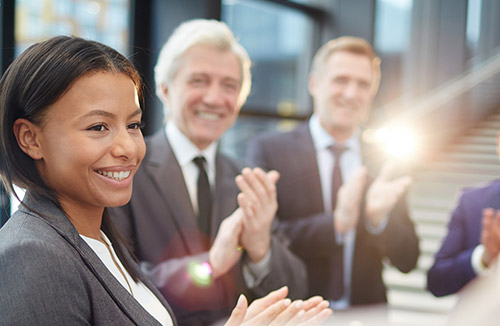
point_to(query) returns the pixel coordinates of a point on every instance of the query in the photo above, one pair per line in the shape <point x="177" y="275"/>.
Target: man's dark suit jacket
<point x="452" y="268"/>
<point x="161" y="226"/>
<point x="302" y="217"/>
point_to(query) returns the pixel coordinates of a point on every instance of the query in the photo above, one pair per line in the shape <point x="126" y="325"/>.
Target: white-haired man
<point x="183" y="219"/>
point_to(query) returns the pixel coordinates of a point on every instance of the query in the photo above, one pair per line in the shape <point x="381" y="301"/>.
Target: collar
<point x="184" y="150"/>
<point x="323" y="140"/>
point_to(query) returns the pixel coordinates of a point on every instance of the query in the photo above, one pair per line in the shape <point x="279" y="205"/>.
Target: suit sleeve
<point x="40" y="286"/>
<point x="399" y="241"/>
<point x="452" y="268"/>
<point x="310" y="236"/>
<point x="285" y="269"/>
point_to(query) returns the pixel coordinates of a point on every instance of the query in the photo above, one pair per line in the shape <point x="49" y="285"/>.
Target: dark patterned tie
<point x="337" y="284"/>
<point x="204" y="196"/>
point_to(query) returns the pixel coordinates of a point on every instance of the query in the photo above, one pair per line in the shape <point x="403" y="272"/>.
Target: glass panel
<point x="278" y="40"/>
<point x="392" y="25"/>
<point x="391" y="41"/>
<point x="473" y="25"/>
<point x="106" y="21"/>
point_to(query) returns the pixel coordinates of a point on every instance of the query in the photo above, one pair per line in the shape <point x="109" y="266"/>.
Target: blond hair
<point x="349" y="44"/>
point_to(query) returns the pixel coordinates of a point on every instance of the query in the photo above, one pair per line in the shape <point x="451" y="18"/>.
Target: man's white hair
<point x="200" y="31"/>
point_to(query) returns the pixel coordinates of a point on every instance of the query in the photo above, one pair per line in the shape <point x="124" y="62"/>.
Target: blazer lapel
<point x="225" y="192"/>
<point x="165" y="172"/>
<point x="308" y="164"/>
<point x="53" y="216"/>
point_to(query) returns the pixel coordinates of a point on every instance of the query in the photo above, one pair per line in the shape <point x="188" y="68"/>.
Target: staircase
<point x="472" y="160"/>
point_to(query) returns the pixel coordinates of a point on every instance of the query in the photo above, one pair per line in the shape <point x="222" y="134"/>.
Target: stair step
<point x="437" y="189"/>
<point x="485" y="131"/>
<point x="480" y="139"/>
<point x="382" y="315"/>
<point x="434" y="231"/>
<point x="420" y="301"/>
<point x="462" y="179"/>
<point x="402" y="317"/>
<point x="435" y="203"/>
<point x="425" y="261"/>
<point x="467" y="167"/>
<point x="426" y="216"/>
<point x="463" y="156"/>
<point x="475" y="148"/>
<point x="414" y="280"/>
<point x="492" y="122"/>
<point x="430" y="246"/>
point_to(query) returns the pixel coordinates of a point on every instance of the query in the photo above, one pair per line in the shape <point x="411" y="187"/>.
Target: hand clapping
<point x="384" y="193"/>
<point x="275" y="309"/>
<point x="259" y="203"/>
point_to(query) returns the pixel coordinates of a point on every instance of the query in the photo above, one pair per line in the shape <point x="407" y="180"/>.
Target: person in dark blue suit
<point x="472" y="243"/>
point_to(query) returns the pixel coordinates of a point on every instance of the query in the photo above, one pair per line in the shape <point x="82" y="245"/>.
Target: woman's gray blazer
<point x="50" y="276"/>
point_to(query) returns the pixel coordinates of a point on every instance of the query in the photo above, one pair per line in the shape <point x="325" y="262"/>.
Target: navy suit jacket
<point x="160" y="224"/>
<point x="302" y="217"/>
<point x="452" y="268"/>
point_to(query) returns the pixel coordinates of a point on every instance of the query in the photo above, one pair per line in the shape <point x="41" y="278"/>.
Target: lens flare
<point x="200" y="273"/>
<point x="398" y="142"/>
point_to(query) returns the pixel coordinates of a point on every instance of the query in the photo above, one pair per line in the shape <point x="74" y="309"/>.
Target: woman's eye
<point x="99" y="127"/>
<point x="136" y="125"/>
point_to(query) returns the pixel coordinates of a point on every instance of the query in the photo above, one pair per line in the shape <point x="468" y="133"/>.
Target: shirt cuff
<point x="339" y="238"/>
<point x="476" y="260"/>
<point x="254" y="273"/>
<point x="376" y="230"/>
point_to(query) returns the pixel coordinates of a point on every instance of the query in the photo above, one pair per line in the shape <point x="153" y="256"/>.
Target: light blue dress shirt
<point x="350" y="162"/>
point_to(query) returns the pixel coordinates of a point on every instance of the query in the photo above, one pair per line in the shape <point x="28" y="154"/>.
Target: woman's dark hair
<point x="34" y="81"/>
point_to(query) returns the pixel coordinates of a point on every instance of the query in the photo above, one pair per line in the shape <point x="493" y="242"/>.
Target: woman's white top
<point x="139" y="291"/>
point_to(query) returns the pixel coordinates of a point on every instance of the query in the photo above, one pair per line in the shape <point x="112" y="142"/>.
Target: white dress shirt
<point x="185" y="151"/>
<point x="477" y="260"/>
<point x="138" y="290"/>
<point x="350" y="161"/>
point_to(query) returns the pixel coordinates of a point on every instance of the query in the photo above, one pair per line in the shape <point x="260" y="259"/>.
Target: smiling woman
<point x="103" y="124"/>
<point x="70" y="136"/>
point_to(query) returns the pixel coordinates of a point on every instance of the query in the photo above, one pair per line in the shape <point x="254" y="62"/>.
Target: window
<point x="391" y="43"/>
<point x="105" y="21"/>
<point x="279" y="39"/>
<point x="473" y="26"/>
